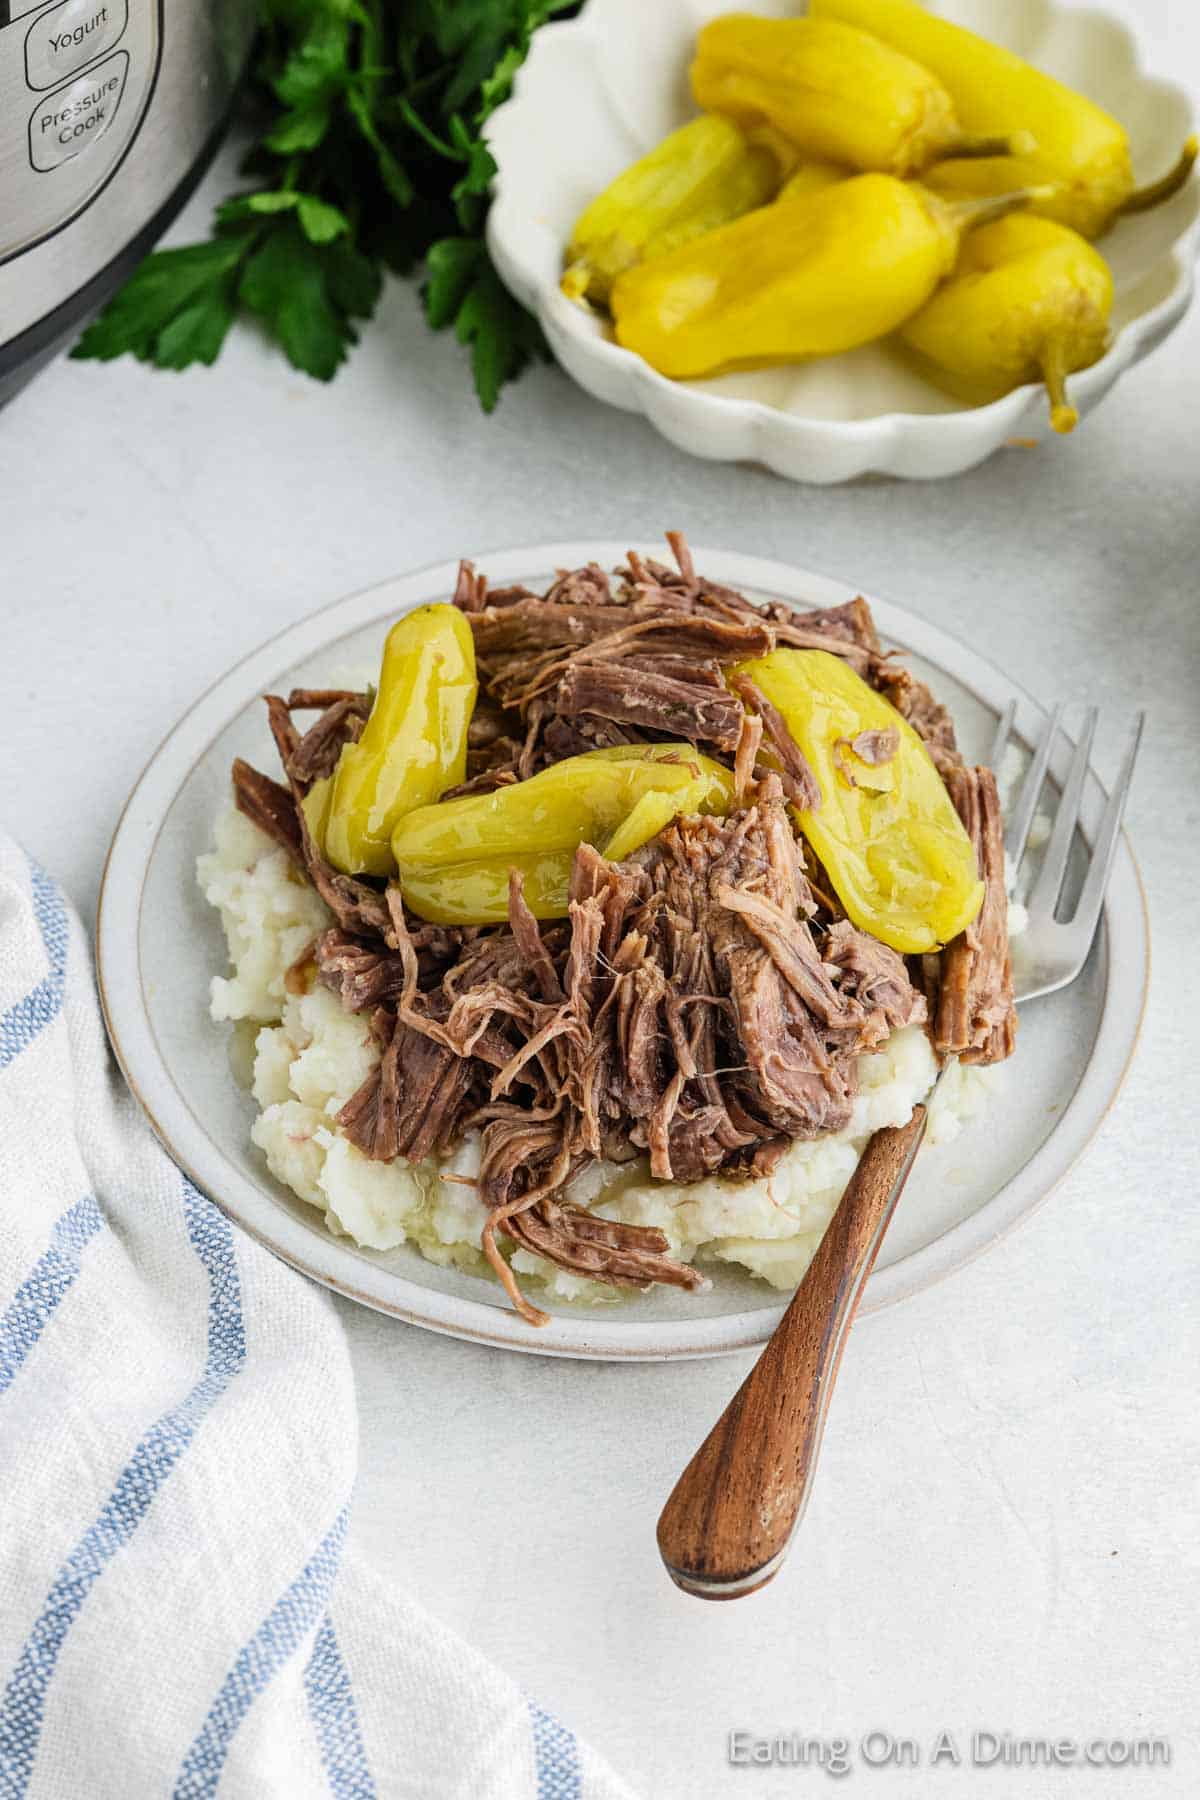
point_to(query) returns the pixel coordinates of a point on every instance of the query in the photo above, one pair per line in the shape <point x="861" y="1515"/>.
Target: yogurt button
<point x="70" y="36"/>
<point x="66" y="123"/>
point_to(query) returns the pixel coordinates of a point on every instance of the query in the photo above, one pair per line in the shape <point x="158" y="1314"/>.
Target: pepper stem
<point x="1063" y="416"/>
<point x="972" y="144"/>
<point x="575" y="279"/>
<point x="1155" y="192"/>
<point x="969" y="213"/>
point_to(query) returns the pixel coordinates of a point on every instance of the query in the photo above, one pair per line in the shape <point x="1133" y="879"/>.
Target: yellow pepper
<point x="811" y="177"/>
<point x="898" y="857"/>
<point x="454" y="858"/>
<point x="1078" y="147"/>
<point x="805" y="277"/>
<point x="787" y="157"/>
<point x="414" y="745"/>
<point x="1029" y="301"/>
<point x="703" y="175"/>
<point x="837" y="93"/>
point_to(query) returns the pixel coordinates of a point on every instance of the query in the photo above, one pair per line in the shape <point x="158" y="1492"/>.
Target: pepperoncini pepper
<point x="898" y="857"/>
<point x="1079" y="148"/>
<point x="765" y="136"/>
<point x="1029" y="301"/>
<point x="811" y="177"/>
<point x="836" y="92"/>
<point x="805" y="277"/>
<point x="699" y="177"/>
<point x="413" y="747"/>
<point x="454" y="858"/>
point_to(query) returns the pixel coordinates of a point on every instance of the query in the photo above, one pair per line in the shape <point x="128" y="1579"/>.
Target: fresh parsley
<point x="370" y="155"/>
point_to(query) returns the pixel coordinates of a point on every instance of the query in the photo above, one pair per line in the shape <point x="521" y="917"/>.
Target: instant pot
<point x="109" y="112"/>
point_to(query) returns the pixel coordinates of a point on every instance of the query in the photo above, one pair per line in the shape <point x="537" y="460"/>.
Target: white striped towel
<point x="178" y="1440"/>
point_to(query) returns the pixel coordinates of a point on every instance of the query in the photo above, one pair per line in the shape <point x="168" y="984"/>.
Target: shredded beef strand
<point x="633" y="694"/>
<point x="362" y="972"/>
<point x="604" y="1249"/>
<point x="413" y="1102"/>
<point x="799" y="782"/>
<point x="319" y="699"/>
<point x="341" y="723"/>
<point x="871" y="749"/>
<point x="528" y="938"/>
<point x="354" y="904"/>
<point x="269" y="806"/>
<point x="682" y="555"/>
<point x="928" y="717"/>
<point x="470" y="592"/>
<point x="876" y="747"/>
<point x="975" y="1016"/>
<point x="748" y="746"/>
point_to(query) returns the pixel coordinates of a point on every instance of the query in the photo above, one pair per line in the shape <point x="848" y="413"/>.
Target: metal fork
<point x="1054" y="950"/>
<point x="731" y="1517"/>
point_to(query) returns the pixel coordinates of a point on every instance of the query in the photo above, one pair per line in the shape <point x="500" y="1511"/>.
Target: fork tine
<point x="1087" y="913"/>
<point x="1044" y="894"/>
<point x="1017" y="831"/>
<point x="1003" y="733"/>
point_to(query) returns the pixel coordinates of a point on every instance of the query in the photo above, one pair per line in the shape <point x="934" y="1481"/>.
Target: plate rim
<point x="335" y="1264"/>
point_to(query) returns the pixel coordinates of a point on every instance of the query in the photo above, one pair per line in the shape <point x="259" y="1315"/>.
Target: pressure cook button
<point x="67" y="122"/>
<point x="70" y="36"/>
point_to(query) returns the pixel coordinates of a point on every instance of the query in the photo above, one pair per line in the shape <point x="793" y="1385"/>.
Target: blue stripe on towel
<point x="23" y="1705"/>
<point x="335" y="1719"/>
<point x="22" y="1022"/>
<point x="284" y="1628"/>
<point x="556" y="1754"/>
<point x="33" y="1304"/>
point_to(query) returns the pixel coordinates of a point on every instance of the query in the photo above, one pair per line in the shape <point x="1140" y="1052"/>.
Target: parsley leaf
<point x="298" y="291"/>
<point x="196" y="280"/>
<point x="464" y="290"/>
<point x="372" y="154"/>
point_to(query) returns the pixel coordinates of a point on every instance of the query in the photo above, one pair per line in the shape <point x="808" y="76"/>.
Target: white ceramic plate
<point x="159" y="944"/>
<point x="600" y="90"/>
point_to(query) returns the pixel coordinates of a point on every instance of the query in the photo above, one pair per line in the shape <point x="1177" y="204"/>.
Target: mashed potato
<point x="310" y="1056"/>
<point x="268" y="912"/>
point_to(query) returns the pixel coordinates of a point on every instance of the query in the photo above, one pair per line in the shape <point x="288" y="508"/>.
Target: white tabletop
<point x="1003" y="1536"/>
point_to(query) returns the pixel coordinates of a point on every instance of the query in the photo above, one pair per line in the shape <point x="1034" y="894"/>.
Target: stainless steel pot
<point x="109" y="112"/>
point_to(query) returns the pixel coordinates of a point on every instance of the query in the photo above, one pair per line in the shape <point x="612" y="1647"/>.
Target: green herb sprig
<point x="371" y="155"/>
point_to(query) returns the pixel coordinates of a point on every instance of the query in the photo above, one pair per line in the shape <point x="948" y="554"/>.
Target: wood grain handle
<point x="726" y="1528"/>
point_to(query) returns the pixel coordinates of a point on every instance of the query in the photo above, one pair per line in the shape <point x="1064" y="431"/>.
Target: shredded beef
<point x="593" y="661"/>
<point x="691" y="1008"/>
<point x="320" y="699"/>
<point x="632" y="694"/>
<point x="974" y="1017"/>
<point x="413" y="1102"/>
<point x="799" y="783"/>
<point x="363" y="973"/>
<point x="927" y="716"/>
<point x="340" y="724"/>
<point x="876" y="976"/>
<point x="471" y="591"/>
<point x="704" y="1002"/>
<point x="269" y="806"/>
<point x="607" y="1250"/>
<point x="354" y="904"/>
<point x="869" y="748"/>
<point x="876" y="747"/>
<point x="746" y="756"/>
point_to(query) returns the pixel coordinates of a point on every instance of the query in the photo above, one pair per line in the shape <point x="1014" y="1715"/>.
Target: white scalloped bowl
<point x="598" y="91"/>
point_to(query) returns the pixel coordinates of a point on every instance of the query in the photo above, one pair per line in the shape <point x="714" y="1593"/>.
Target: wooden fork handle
<point x="726" y="1528"/>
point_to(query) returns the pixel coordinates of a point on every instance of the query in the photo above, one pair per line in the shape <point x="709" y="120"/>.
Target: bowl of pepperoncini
<point x="876" y="237"/>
